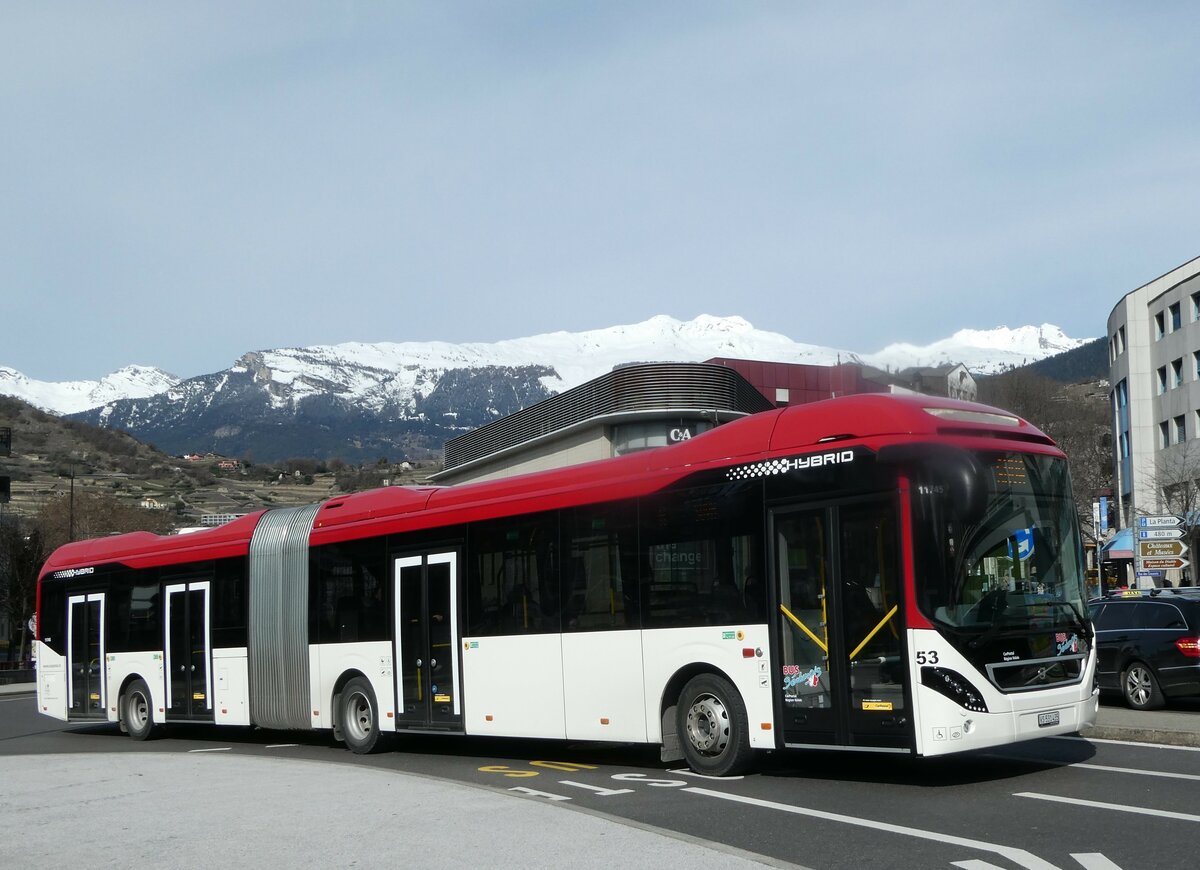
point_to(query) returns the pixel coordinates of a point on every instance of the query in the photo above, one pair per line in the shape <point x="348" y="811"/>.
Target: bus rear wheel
<point x="711" y="723"/>
<point x="136" y="711"/>
<point x="358" y="716"/>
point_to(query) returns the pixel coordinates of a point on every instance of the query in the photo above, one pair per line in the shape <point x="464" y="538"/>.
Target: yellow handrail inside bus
<point x="874" y="631"/>
<point x="804" y="628"/>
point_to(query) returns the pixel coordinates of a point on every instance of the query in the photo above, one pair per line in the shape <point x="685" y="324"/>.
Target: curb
<point x="1143" y="735"/>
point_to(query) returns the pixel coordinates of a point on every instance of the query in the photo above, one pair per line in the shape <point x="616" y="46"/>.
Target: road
<point x="1053" y="803"/>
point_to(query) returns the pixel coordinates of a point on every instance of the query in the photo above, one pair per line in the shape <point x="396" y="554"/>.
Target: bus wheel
<point x="359" y="717"/>
<point x="136" y="711"/>
<point x="711" y="723"/>
<point x="1140" y="688"/>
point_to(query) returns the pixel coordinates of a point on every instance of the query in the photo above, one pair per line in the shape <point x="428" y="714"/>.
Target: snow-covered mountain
<point x="71" y="397"/>
<point x="397" y="375"/>
<point x="362" y="401"/>
<point x="377" y="375"/>
<point x="985" y="352"/>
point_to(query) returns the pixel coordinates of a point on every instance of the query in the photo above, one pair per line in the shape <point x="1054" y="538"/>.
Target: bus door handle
<point x="418" y="663"/>
<point x="433" y="663"/>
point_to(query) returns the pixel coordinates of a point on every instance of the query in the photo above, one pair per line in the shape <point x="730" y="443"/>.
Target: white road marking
<point x="1163" y="773"/>
<point x="533" y="792"/>
<point x="1121" y="808"/>
<point x="975" y="864"/>
<point x="683" y="771"/>
<point x="1094" y="861"/>
<point x="1020" y="857"/>
<point x="218" y="749"/>
<point x="281" y="745"/>
<point x="600" y="790"/>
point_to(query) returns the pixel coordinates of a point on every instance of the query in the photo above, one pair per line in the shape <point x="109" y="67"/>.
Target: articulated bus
<point x="876" y="573"/>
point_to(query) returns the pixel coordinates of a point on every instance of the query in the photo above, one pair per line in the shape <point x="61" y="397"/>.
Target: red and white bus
<point x="883" y="573"/>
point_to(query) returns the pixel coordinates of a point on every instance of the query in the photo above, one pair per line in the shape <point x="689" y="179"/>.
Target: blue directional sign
<point x="1024" y="539"/>
<point x="1159" y="522"/>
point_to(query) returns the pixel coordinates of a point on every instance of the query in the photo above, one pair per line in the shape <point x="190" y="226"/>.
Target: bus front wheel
<point x="136" y="712"/>
<point x="712" y="726"/>
<point x="358" y="717"/>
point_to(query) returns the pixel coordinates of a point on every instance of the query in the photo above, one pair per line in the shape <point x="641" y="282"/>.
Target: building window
<point x="1164" y="434"/>
<point x="1180" y="430"/>
<point x="1196" y="363"/>
<point x="1176" y="318"/>
<point x="1162" y="380"/>
<point x="1125" y="444"/>
<point x="1159" y="326"/>
<point x="1196" y="306"/>
<point x="1177" y="373"/>
<point x="632" y="437"/>
<point x="1123" y="394"/>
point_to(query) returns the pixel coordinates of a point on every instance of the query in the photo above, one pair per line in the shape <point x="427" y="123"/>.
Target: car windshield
<point x="1012" y="564"/>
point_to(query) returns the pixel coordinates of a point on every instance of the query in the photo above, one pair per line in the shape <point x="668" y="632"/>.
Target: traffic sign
<point x="1151" y="564"/>
<point x="1161" y="549"/>
<point x="1160" y="533"/>
<point x="1159" y="521"/>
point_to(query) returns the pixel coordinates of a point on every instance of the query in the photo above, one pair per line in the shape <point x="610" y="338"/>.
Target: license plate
<point x="1045" y="720"/>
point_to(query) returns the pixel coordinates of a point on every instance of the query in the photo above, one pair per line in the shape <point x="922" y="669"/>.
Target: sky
<point x="184" y="183"/>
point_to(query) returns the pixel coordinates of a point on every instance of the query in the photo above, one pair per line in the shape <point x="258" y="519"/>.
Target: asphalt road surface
<point x="90" y="796"/>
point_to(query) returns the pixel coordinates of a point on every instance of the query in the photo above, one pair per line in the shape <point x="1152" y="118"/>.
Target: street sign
<point x="1151" y="564"/>
<point x="1161" y="549"/>
<point x="1159" y="521"/>
<point x="1160" y="533"/>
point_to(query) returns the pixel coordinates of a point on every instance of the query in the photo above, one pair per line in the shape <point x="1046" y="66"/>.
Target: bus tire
<point x="1139" y="688"/>
<point x="358" y="717"/>
<point x="137" y="712"/>
<point x="712" y="727"/>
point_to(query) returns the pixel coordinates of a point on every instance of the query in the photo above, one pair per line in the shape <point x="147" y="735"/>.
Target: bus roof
<point x="869" y="419"/>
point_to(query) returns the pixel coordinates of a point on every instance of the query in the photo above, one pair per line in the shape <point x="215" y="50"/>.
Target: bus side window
<point x="601" y="576"/>
<point x="512" y="576"/>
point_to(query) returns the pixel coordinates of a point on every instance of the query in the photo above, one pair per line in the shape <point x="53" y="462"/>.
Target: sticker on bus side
<point x="877" y="705"/>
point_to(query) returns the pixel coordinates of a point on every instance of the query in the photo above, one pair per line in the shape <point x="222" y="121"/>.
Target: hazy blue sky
<point x="182" y="183"/>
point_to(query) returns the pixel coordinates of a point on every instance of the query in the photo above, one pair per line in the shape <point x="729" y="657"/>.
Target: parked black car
<point x="1148" y="644"/>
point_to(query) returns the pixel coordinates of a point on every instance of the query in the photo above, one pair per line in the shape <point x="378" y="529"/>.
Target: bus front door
<point x="188" y="651"/>
<point x="85" y="653"/>
<point x="841" y="667"/>
<point x="427" y="638"/>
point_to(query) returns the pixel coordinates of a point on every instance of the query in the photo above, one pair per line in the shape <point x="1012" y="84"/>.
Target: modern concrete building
<point x="1154" y="369"/>
<point x="630" y="408"/>
<point x="654" y="404"/>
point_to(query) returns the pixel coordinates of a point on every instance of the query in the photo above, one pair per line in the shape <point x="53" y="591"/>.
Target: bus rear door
<point x="188" y="651"/>
<point x="841" y="674"/>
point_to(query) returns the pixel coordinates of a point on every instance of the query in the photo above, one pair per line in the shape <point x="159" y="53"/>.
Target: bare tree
<point x="1178" y="476"/>
<point x="1076" y="417"/>
<point x="22" y="552"/>
<point x="95" y="515"/>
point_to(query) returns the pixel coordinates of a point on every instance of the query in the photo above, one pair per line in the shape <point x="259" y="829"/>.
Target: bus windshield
<point x="1011" y="565"/>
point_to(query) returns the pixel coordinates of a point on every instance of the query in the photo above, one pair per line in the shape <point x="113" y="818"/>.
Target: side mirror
<point x="957" y="470"/>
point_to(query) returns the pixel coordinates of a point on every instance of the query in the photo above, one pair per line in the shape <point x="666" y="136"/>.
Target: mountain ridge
<point x="363" y="402"/>
<point x="399" y="374"/>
